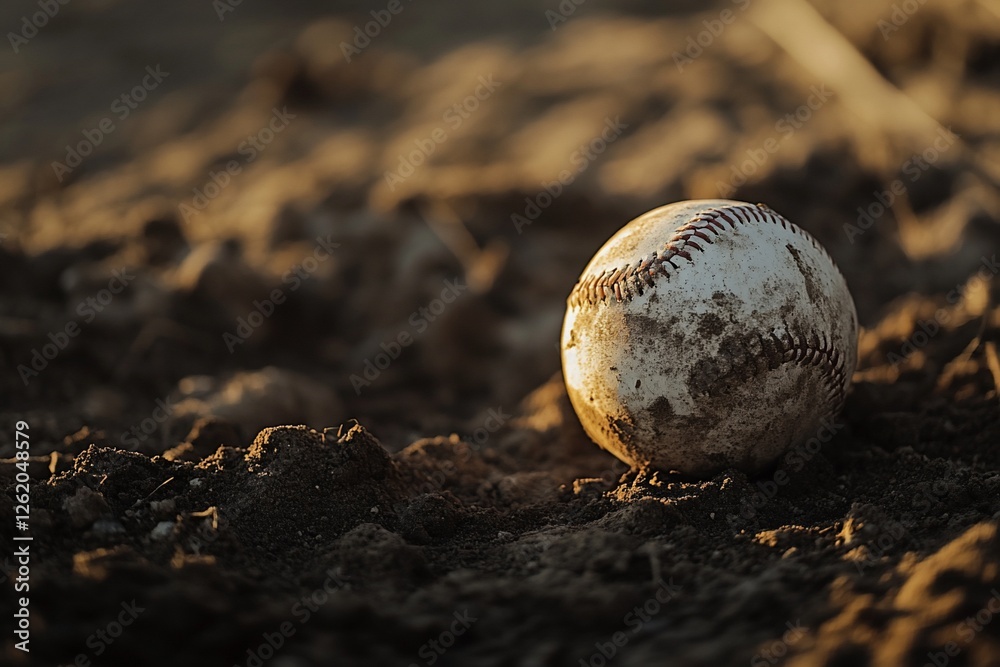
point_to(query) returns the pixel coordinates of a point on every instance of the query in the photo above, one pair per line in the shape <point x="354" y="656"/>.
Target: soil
<point x="293" y="397"/>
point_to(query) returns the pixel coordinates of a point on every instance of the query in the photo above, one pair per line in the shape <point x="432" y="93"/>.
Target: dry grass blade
<point x="993" y="363"/>
<point x="482" y="266"/>
<point x="822" y="50"/>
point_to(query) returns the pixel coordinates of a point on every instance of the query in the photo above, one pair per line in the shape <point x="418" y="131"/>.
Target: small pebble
<point x="162" y="530"/>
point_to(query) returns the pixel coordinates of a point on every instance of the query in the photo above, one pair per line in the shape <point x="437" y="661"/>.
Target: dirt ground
<point x="281" y="304"/>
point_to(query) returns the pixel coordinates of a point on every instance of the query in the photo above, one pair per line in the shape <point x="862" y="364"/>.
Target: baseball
<point x="706" y="335"/>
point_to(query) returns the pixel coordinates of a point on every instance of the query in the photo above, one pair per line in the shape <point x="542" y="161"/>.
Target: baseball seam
<point x="807" y="350"/>
<point x="625" y="282"/>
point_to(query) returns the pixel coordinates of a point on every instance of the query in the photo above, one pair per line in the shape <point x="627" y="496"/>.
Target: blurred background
<point x="355" y="160"/>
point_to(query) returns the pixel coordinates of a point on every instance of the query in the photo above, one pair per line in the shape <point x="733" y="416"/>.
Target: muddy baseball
<point x="706" y="335"/>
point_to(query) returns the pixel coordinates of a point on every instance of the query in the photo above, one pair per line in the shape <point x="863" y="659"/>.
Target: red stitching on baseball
<point x="787" y="349"/>
<point x="623" y="283"/>
<point x="627" y="281"/>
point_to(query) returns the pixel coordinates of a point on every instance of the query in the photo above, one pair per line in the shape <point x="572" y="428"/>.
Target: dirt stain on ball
<point x="816" y="294"/>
